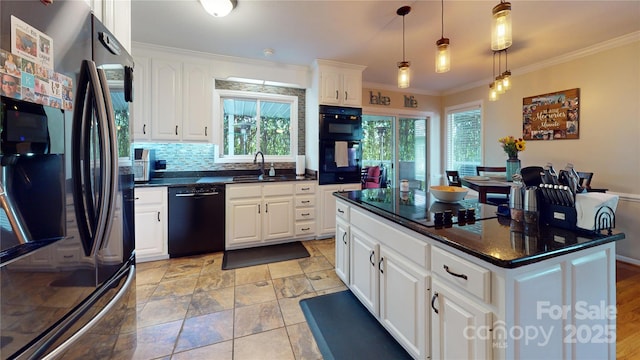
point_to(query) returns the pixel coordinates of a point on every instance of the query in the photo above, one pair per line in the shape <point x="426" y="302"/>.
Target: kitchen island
<point x="476" y="287"/>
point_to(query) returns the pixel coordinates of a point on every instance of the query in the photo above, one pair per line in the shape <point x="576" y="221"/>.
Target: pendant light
<point x="493" y="94"/>
<point x="501" y="37"/>
<point x="498" y="82"/>
<point x="404" y="75"/>
<point x="218" y="8"/>
<point x="443" y="55"/>
<point x="506" y="75"/>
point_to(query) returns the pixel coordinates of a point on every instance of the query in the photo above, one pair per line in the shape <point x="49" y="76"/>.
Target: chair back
<point x="531" y="175"/>
<point x="453" y="178"/>
<point x="371" y="179"/>
<point x="481" y="170"/>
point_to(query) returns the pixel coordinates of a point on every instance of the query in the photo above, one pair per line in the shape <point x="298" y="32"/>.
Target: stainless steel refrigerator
<point x="67" y="261"/>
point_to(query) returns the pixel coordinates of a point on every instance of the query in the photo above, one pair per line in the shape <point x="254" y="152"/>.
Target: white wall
<point x="609" y="143"/>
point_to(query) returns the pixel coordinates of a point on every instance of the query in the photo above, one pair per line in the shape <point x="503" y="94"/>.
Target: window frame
<point x="452" y="110"/>
<point x="218" y="98"/>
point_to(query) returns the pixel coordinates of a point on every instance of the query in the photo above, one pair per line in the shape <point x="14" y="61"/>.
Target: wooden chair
<point x="585" y="182"/>
<point x="531" y="175"/>
<point x="453" y="178"/>
<point x="494" y="199"/>
<point x="481" y="170"/>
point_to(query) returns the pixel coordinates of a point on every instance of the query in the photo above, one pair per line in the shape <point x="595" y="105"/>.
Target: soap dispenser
<point x="272" y="171"/>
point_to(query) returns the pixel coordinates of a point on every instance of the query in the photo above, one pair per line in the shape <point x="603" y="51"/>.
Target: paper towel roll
<point x="300" y="165"/>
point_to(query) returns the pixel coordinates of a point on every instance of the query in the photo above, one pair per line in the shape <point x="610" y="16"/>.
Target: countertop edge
<point x="508" y="264"/>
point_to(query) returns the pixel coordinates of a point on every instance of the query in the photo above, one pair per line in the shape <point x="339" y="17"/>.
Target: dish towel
<point x="588" y="204"/>
<point x="341" y="154"/>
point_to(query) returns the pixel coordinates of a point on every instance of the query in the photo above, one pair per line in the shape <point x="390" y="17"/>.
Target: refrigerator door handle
<point x="91" y="212"/>
<point x="111" y="141"/>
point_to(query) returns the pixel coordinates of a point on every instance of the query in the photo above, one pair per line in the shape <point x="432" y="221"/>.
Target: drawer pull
<point x="344" y="240"/>
<point x="340" y="211"/>
<point x="380" y="265"/>
<point x="370" y="256"/>
<point x="446" y="268"/>
<point x="68" y="256"/>
<point x="305" y="214"/>
<point x="306" y="229"/>
<point x="305" y="188"/>
<point x="306" y="201"/>
<point x="433" y="301"/>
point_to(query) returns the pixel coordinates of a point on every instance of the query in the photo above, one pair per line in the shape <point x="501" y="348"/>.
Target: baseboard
<point x="628" y="260"/>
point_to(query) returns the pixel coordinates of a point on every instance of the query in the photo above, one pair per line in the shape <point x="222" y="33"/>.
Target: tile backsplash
<point x="197" y="157"/>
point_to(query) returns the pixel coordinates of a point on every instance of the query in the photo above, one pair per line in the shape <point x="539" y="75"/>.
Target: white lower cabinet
<point x="257" y="214"/>
<point x="460" y="327"/>
<point x="327" y="211"/>
<point x="342" y="242"/>
<point x="393" y="288"/>
<point x="151" y="223"/>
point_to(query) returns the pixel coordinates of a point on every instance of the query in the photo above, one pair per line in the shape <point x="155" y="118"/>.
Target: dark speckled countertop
<point x="186" y="178"/>
<point x="491" y="238"/>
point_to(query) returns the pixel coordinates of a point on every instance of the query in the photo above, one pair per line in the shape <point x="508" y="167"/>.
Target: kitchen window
<point x="253" y="122"/>
<point x="464" y="138"/>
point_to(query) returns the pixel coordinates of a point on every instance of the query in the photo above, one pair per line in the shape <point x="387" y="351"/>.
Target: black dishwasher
<point x="196" y="219"/>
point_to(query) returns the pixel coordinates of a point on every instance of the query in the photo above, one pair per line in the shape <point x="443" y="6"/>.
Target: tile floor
<point x="188" y="308"/>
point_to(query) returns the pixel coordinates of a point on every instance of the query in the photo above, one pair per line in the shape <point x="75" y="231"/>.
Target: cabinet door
<point x="166" y="104"/>
<point x="342" y="250"/>
<point x="352" y="88"/>
<point x="141" y="107"/>
<point x="330" y="87"/>
<point x="460" y="327"/>
<point x="243" y="221"/>
<point x="403" y="292"/>
<point x="278" y="218"/>
<point x="328" y="209"/>
<point x="150" y="234"/>
<point x="364" y="269"/>
<point x="198" y="88"/>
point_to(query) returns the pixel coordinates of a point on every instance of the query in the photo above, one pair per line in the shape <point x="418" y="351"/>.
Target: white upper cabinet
<point x="116" y="16"/>
<point x="141" y="107"/>
<point x="340" y="84"/>
<point x="197" y="102"/>
<point x="166" y="95"/>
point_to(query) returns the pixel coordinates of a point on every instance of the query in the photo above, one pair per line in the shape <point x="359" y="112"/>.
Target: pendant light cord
<point x="403" y="38"/>
<point x="442" y="18"/>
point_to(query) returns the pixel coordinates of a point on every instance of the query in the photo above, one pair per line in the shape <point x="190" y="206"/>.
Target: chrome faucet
<point x="255" y="160"/>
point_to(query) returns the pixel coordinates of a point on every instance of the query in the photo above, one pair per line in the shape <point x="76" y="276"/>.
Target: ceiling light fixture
<point x="506" y="75"/>
<point x="443" y="55"/>
<point x="501" y="37"/>
<point x="218" y="8"/>
<point x="493" y="93"/>
<point x="404" y="76"/>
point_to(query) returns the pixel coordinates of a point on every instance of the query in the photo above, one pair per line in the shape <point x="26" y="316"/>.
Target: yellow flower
<point x="512" y="146"/>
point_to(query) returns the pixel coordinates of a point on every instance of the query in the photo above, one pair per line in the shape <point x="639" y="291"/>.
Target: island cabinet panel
<point x="403" y="291"/>
<point x="460" y="328"/>
<point x="364" y="279"/>
<point x="466" y="275"/>
<point x="342" y="242"/>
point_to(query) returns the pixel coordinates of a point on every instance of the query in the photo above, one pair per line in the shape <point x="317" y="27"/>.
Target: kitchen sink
<point x="256" y="178"/>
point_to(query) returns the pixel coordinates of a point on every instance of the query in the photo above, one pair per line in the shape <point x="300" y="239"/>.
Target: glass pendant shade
<point x="498" y="85"/>
<point x="493" y="95"/>
<point x="404" y="75"/>
<point x="443" y="56"/>
<point x="501" y="37"/>
<point x="506" y="80"/>
<point x="218" y="8"/>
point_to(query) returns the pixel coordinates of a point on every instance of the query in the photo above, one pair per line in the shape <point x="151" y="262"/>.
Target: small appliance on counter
<point x="144" y="164"/>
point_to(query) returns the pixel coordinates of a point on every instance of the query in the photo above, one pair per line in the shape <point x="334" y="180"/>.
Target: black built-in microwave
<point x="340" y="123"/>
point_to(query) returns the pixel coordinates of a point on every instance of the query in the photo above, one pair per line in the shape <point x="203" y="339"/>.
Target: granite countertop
<point x="186" y="178"/>
<point x="492" y="238"/>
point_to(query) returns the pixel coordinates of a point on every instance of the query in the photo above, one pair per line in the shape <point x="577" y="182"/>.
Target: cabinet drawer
<point x="456" y="270"/>
<point x="342" y="211"/>
<point x="305" y="201"/>
<point x="243" y="191"/>
<point x="305" y="214"/>
<point x="277" y="190"/>
<point x="305" y="228"/>
<point x="151" y="195"/>
<point x="306" y="188"/>
<point x="68" y="255"/>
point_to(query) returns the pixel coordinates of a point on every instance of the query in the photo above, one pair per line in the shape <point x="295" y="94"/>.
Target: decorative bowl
<point x="449" y="194"/>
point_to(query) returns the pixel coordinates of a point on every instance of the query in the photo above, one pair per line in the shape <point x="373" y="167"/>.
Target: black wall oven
<point x="340" y="151"/>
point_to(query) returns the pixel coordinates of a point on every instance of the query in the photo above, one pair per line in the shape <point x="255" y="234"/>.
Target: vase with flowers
<point x="512" y="146"/>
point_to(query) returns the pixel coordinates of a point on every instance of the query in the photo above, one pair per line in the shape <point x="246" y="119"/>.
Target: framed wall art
<point x="553" y="116"/>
